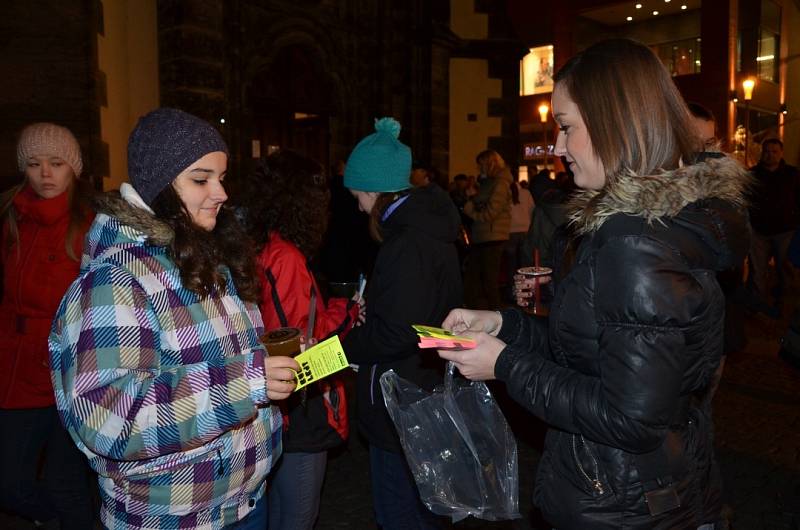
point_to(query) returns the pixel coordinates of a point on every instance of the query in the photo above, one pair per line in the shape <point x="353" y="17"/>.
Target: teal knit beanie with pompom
<point x="380" y="162"/>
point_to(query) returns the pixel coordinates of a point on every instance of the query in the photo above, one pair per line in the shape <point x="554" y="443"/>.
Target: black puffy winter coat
<point x="621" y="371"/>
<point x="416" y="280"/>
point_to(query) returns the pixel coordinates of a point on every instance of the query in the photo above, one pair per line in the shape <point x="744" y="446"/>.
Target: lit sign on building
<point x="536" y="71"/>
<point x="534" y="151"/>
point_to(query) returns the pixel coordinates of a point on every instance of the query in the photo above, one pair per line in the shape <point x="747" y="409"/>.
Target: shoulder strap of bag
<point x="276" y="301"/>
<point x="312" y="312"/>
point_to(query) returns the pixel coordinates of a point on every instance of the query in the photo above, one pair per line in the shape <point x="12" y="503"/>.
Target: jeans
<point x="295" y="491"/>
<point x="255" y="520"/>
<point x="395" y="496"/>
<point x="33" y="436"/>
<point x="761" y="249"/>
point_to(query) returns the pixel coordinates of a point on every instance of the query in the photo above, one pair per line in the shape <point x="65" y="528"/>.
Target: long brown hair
<point x="636" y="118"/>
<point x="80" y="199"/>
<point x="199" y="253"/>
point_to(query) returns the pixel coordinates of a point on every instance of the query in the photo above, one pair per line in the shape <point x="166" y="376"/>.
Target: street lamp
<point x="747" y="86"/>
<point x="544" y="109"/>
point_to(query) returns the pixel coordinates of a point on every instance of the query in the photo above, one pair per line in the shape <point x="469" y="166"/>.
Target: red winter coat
<point x="322" y="422"/>
<point x="36" y="274"/>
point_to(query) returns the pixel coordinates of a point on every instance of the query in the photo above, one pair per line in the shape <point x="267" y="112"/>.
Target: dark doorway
<point x="290" y="105"/>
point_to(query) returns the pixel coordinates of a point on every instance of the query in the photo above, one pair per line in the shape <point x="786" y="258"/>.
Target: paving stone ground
<point x="757" y="415"/>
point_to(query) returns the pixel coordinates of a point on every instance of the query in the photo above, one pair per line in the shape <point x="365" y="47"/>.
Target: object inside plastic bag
<point x="458" y="445"/>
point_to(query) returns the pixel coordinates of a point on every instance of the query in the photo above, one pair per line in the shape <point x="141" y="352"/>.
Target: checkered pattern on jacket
<point x="163" y="391"/>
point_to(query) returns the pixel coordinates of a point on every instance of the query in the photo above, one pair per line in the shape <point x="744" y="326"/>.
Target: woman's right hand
<point x="280" y="373"/>
<point x="525" y="287"/>
<point x="460" y="320"/>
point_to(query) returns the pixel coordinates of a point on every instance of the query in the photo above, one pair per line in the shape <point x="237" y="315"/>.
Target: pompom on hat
<point x="49" y="139"/>
<point x="163" y="144"/>
<point x="380" y="162"/>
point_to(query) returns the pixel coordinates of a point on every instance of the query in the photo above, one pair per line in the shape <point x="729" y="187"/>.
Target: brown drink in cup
<point x="283" y="342"/>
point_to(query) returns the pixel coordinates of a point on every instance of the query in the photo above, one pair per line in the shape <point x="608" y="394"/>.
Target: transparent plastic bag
<point x="458" y="445"/>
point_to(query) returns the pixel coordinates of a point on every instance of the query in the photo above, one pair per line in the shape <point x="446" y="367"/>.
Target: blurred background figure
<point x="522" y="206"/>
<point x="44" y="221"/>
<point x="490" y="211"/>
<point x="774" y="215"/>
<point x="704" y="124"/>
<point x="549" y="215"/>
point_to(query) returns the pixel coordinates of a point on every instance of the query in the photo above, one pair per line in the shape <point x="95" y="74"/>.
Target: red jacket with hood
<point x="322" y="422"/>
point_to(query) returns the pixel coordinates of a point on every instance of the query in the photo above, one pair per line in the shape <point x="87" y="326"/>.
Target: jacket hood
<point x="428" y="210"/>
<point x="118" y="221"/>
<point x="715" y="187"/>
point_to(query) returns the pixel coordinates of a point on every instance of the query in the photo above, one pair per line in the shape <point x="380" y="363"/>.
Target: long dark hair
<point x="288" y="194"/>
<point x="80" y="199"/>
<point x="199" y="253"/>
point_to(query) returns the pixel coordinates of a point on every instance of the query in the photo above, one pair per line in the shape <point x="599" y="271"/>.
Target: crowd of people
<point x="132" y="321"/>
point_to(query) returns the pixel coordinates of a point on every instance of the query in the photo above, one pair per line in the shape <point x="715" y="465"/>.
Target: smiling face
<point x="49" y="176"/>
<point x="574" y="143"/>
<point x="200" y="189"/>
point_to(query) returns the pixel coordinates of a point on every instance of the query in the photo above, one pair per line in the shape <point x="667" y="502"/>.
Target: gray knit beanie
<point x="49" y="139"/>
<point x="164" y="143"/>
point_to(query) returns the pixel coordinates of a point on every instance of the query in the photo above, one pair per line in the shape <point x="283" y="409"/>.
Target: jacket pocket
<point x="180" y="484"/>
<point x="591" y="477"/>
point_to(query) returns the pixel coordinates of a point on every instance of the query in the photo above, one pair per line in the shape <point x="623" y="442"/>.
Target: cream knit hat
<point x="49" y="139"/>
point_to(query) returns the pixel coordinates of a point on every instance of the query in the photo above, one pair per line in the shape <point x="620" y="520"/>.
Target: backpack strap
<point x="276" y="301"/>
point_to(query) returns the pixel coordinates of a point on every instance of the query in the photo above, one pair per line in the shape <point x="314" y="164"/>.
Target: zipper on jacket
<point x="372" y="384"/>
<point x="595" y="482"/>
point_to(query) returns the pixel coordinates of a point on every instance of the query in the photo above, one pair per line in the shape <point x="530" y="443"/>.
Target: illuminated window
<point x="536" y="71"/>
<point x="769" y="38"/>
<point x="680" y="57"/>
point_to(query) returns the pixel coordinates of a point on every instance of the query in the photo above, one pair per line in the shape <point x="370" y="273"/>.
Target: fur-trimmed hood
<point x="120" y="221"/>
<point x="664" y="195"/>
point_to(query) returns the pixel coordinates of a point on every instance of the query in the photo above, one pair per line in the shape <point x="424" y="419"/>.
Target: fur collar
<point x="156" y="231"/>
<point x="663" y="195"/>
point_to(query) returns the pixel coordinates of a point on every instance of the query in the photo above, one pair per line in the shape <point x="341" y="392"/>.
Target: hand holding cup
<point x="527" y="281"/>
<point x="279" y="372"/>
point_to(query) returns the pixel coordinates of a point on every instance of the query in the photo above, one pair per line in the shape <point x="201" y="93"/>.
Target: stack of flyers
<point x="441" y="339"/>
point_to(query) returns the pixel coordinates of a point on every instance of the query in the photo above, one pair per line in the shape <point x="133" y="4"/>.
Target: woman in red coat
<point x="44" y="220"/>
<point x="285" y="205"/>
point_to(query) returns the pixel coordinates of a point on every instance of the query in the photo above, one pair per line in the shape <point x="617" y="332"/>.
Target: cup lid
<point x="281" y="335"/>
<point x="535" y="271"/>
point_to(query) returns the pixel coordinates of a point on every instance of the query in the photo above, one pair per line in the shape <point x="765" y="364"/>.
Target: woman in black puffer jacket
<point x="622" y="370"/>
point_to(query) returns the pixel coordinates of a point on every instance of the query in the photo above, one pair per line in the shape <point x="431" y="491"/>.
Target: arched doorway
<point x="290" y="105"/>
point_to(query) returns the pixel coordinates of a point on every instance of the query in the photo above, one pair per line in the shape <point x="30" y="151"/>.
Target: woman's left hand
<point x="476" y="364"/>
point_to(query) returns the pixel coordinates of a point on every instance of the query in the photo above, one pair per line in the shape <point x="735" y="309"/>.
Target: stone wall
<point x="48" y="59"/>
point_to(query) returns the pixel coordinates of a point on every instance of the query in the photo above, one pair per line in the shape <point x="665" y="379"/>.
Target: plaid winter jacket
<point x="162" y="390"/>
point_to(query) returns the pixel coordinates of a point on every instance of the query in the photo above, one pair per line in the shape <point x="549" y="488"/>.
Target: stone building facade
<point x="306" y="74"/>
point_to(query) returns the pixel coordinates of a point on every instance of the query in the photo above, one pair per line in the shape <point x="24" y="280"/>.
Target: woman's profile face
<point x="200" y="189"/>
<point x="573" y="142"/>
<point x="48" y="175"/>
<point x="366" y="200"/>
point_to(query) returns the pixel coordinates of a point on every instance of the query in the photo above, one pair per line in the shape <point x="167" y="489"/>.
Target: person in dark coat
<point x="624" y="369"/>
<point x="774" y="214"/>
<point x="416" y="280"/>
